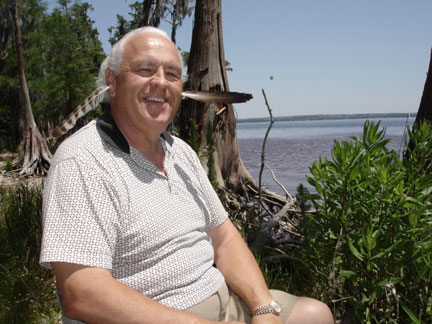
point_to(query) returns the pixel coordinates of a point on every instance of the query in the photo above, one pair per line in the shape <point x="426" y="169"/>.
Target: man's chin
<point x="161" y="122"/>
<point x="164" y="115"/>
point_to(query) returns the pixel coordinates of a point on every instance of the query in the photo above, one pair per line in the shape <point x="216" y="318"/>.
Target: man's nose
<point x="159" y="77"/>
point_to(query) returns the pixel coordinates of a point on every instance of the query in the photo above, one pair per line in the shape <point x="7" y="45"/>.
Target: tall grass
<point x="27" y="292"/>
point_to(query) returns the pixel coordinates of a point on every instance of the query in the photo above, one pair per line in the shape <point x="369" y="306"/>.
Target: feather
<point x="93" y="100"/>
<point x="217" y="97"/>
<point x="90" y="103"/>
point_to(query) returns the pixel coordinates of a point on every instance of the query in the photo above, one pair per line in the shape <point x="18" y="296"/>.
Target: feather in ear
<point x="93" y="100"/>
<point x="90" y="103"/>
<point x="217" y="97"/>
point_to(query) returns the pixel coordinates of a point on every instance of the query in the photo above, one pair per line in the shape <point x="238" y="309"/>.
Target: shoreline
<point x="328" y="117"/>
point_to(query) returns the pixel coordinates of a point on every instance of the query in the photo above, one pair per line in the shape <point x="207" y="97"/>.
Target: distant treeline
<point x="328" y="116"/>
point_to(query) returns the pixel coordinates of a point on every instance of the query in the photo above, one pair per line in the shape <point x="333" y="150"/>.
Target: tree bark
<point x="206" y="72"/>
<point x="36" y="155"/>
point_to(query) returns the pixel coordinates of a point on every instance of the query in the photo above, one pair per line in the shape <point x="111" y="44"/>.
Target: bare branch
<point x="263" y="147"/>
<point x="287" y="194"/>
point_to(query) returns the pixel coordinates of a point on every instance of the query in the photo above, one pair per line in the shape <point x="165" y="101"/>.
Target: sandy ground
<point x="10" y="179"/>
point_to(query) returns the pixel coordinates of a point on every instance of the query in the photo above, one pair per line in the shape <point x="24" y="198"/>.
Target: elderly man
<point x="132" y="227"/>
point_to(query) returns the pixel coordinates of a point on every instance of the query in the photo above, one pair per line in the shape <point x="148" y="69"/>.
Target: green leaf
<point x="351" y="275"/>
<point x="354" y="250"/>
<point x="413" y="220"/>
<point x="379" y="255"/>
<point x="427" y="191"/>
<point x="332" y="235"/>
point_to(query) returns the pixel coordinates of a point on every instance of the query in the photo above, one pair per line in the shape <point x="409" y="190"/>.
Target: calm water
<point x="293" y="146"/>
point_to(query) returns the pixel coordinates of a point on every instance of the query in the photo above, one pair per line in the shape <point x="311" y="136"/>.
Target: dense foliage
<point x="62" y="55"/>
<point x="369" y="243"/>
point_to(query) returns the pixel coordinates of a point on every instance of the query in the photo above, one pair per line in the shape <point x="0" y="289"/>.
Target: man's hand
<point x="233" y="258"/>
<point x="266" y="319"/>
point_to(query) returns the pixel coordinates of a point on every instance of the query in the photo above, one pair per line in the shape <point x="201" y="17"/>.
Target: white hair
<point x="116" y="56"/>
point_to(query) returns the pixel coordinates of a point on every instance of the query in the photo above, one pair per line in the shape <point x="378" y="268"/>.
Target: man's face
<point x="147" y="91"/>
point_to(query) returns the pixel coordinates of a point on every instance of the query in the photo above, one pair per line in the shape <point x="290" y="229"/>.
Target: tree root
<point x="37" y="156"/>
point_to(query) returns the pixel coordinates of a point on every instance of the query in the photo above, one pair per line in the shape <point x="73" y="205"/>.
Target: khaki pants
<point x="225" y="306"/>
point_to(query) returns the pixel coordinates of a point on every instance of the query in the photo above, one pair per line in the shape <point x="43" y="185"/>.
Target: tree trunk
<point x="206" y="72"/>
<point x="425" y="109"/>
<point x="174" y="22"/>
<point x="151" y="13"/>
<point x="36" y="155"/>
<point x="424" y="113"/>
<point x="146" y="11"/>
<point x="157" y="13"/>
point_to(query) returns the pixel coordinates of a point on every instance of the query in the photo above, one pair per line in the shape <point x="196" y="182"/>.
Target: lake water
<point x="292" y="146"/>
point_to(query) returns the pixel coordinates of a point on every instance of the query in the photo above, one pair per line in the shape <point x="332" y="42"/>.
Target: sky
<point x="314" y="56"/>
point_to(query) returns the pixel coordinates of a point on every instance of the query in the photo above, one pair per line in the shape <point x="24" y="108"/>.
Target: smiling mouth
<point x="161" y="100"/>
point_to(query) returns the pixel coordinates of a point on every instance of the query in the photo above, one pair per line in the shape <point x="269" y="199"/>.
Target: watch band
<point x="272" y="308"/>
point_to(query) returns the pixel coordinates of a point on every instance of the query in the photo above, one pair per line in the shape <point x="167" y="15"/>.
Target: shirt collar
<point x="109" y="131"/>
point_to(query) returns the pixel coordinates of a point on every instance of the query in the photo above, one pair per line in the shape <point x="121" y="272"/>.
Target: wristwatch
<point x="272" y="308"/>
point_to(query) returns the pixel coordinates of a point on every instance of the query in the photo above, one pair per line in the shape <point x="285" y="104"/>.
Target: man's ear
<point x="110" y="80"/>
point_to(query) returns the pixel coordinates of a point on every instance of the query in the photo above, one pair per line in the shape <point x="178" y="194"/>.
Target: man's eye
<point x="146" y="71"/>
<point x="172" y="75"/>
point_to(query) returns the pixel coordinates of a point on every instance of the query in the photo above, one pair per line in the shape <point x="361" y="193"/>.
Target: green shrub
<point x="27" y="293"/>
<point x="7" y="166"/>
<point x="369" y="243"/>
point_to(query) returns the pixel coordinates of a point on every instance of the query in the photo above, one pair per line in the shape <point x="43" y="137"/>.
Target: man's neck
<point x="147" y="143"/>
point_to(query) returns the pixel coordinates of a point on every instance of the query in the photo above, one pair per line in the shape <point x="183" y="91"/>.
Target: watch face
<point x="275" y="306"/>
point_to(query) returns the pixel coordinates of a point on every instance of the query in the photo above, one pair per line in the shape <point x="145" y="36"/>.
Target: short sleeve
<point x="80" y="216"/>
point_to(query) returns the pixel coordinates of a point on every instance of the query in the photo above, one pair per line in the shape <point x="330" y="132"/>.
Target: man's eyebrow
<point x="147" y="62"/>
<point x="152" y="62"/>
<point x="173" y="67"/>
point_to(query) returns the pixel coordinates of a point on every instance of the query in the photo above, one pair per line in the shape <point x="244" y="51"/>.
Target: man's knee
<point x="307" y="310"/>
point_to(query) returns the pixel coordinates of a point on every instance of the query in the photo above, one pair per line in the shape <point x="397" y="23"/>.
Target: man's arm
<point x="92" y="295"/>
<point x="242" y="274"/>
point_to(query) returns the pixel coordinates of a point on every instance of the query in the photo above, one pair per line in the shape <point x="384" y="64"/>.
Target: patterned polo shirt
<point x="106" y="205"/>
